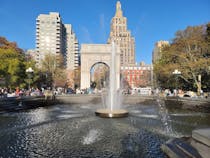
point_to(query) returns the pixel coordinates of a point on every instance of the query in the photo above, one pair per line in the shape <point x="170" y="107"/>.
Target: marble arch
<point x="97" y="53"/>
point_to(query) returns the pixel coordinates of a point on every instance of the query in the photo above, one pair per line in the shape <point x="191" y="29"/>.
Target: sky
<point x="148" y="20"/>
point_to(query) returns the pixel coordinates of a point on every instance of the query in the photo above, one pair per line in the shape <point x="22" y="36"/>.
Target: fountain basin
<point x="73" y="131"/>
<point x="108" y="113"/>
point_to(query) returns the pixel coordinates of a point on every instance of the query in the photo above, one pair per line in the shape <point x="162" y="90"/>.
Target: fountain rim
<point x="107" y="113"/>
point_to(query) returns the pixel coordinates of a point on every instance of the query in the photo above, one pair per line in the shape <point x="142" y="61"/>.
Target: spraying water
<point x="112" y="91"/>
<point x="113" y="107"/>
<point x="164" y="116"/>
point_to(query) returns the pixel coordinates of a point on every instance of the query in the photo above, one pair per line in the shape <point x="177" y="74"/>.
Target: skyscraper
<point x="52" y="36"/>
<point x="122" y="37"/>
<point x="72" y="49"/>
<point x="49" y="35"/>
<point x="156" y="54"/>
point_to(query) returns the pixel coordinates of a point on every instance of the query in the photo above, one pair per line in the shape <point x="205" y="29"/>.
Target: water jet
<point x="111" y="110"/>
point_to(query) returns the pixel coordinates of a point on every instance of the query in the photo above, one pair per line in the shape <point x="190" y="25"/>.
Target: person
<point x="1" y="92"/>
<point x="201" y="93"/>
<point x="175" y="92"/>
<point x="17" y="92"/>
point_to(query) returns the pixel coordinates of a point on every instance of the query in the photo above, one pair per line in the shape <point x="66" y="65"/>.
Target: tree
<point x="189" y="53"/>
<point x="52" y="65"/>
<point x="73" y="78"/>
<point x="77" y="77"/>
<point x="206" y="74"/>
<point x="5" y="44"/>
<point x="70" y="79"/>
<point x="100" y="75"/>
<point x="12" y="67"/>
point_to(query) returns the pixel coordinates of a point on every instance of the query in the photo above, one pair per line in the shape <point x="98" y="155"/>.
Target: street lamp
<point x="177" y="73"/>
<point x="29" y="71"/>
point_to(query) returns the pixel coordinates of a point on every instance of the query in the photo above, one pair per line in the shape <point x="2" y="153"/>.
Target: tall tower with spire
<point x="122" y="37"/>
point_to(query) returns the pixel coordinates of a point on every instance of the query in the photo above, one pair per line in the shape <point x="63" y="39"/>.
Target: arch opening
<point x="99" y="75"/>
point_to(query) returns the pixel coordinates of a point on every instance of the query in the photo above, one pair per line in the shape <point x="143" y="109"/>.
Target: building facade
<point x="122" y="37"/>
<point x="54" y="37"/>
<point x="137" y="76"/>
<point x="72" y="49"/>
<point x="49" y="35"/>
<point x="156" y="54"/>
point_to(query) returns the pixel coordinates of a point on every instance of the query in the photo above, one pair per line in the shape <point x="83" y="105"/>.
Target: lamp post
<point x="29" y="71"/>
<point x="177" y="73"/>
<point x="199" y="85"/>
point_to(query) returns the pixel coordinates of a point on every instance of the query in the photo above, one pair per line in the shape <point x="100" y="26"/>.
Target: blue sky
<point x="149" y="21"/>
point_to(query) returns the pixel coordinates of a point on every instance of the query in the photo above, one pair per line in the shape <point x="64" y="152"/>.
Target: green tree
<point x="188" y="53"/>
<point x="12" y="67"/>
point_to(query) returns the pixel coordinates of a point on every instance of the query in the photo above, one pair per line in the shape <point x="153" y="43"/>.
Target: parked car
<point x="190" y="94"/>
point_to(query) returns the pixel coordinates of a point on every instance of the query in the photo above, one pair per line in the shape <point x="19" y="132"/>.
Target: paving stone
<point x="202" y="135"/>
<point x="204" y="150"/>
<point x="178" y="148"/>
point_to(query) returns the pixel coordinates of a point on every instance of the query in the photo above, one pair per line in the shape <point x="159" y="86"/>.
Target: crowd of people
<point x="18" y="92"/>
<point x="180" y="93"/>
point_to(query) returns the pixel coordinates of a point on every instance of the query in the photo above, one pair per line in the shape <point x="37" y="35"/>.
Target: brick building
<point x="137" y="76"/>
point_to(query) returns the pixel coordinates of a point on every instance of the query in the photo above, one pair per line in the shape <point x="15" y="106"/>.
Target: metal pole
<point x="29" y="84"/>
<point x="199" y="85"/>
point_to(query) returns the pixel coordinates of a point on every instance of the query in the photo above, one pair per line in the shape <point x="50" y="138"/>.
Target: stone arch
<point x="100" y="62"/>
<point x="94" y="53"/>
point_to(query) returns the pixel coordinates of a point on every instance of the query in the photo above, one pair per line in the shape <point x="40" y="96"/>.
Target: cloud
<point x="98" y="32"/>
<point x="86" y="35"/>
<point x="102" y="24"/>
<point x="141" y="20"/>
<point x="102" y="31"/>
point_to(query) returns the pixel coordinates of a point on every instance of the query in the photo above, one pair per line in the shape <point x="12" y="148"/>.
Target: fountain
<point x="112" y="111"/>
<point x="69" y="128"/>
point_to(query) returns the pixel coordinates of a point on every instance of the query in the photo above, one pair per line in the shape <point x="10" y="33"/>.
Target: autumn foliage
<point x="189" y="52"/>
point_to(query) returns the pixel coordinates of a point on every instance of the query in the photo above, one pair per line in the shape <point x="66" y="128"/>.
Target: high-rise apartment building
<point x="52" y="36"/>
<point x="49" y="35"/>
<point x="156" y="54"/>
<point x="72" y="49"/>
<point x="122" y="37"/>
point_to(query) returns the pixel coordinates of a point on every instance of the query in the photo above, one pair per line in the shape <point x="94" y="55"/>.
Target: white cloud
<point x="86" y="37"/>
<point x="141" y="20"/>
<point x="102" y="31"/>
<point x="102" y="25"/>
